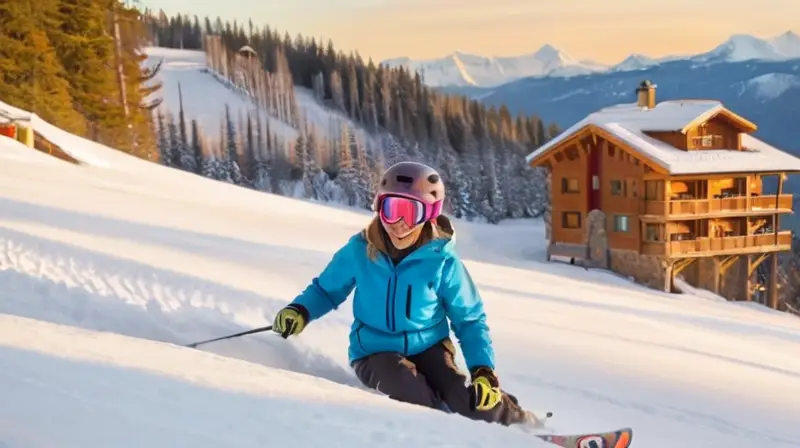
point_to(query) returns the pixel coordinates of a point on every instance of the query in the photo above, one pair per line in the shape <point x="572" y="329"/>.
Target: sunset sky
<point x="605" y="31"/>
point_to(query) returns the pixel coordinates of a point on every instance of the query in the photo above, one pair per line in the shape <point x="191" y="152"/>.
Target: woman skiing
<point x="408" y="283"/>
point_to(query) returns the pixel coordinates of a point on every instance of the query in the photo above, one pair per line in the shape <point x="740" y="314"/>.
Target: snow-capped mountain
<point x="462" y="69"/>
<point x="744" y="47"/>
<point x="787" y="44"/>
<point x="635" y="62"/>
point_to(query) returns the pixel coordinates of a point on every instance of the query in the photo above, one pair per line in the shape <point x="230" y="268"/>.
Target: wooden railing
<point x="706" y="206"/>
<point x="731" y="244"/>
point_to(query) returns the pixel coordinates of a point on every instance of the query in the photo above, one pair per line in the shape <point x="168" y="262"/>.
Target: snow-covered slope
<point x="460" y="68"/>
<point x="205" y="94"/>
<point x="149" y="256"/>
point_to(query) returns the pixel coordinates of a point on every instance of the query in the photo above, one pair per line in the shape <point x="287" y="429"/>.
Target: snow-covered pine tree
<point x="337" y="92"/>
<point x="261" y="156"/>
<point x="231" y="150"/>
<point x="176" y="147"/>
<point x="197" y="148"/>
<point x="164" y="147"/>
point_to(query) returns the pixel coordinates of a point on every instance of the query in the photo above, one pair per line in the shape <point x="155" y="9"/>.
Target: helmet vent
<point x="433" y="178"/>
<point x="405" y="179"/>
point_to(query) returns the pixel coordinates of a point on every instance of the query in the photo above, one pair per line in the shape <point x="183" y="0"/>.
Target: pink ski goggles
<point x="412" y="211"/>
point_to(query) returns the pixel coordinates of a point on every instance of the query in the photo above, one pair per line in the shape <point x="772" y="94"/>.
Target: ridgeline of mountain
<point x="462" y="69"/>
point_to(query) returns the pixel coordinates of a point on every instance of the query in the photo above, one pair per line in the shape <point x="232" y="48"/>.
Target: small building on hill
<point x="652" y="190"/>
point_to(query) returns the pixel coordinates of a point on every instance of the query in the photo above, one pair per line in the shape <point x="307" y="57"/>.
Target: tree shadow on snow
<point x="71" y="285"/>
<point x="207" y="245"/>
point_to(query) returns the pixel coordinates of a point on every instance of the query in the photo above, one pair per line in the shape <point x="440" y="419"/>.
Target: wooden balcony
<point x="704" y="246"/>
<point x="738" y="205"/>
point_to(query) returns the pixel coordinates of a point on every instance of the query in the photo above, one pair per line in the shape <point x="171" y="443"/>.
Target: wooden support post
<point x="668" y="275"/>
<point x="772" y="301"/>
<point x="724" y="266"/>
<point x="752" y="265"/>
<point x="777" y="219"/>
<point x="716" y="274"/>
<point x="748" y="274"/>
<point x="747" y="192"/>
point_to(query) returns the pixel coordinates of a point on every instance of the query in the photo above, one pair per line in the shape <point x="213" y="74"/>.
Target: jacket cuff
<point x="486" y="372"/>
<point x="300" y="309"/>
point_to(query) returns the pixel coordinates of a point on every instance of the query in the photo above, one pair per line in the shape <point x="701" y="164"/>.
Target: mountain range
<point x="463" y="69"/>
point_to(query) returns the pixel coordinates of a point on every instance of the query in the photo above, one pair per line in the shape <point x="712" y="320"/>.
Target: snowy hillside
<point x="104" y="266"/>
<point x="205" y="94"/>
<point x="460" y="69"/>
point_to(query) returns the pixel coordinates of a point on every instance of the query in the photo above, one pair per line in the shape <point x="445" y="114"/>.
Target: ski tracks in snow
<point x="50" y="280"/>
<point x="663" y="411"/>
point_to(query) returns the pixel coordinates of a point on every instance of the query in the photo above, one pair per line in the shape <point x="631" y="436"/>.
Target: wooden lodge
<point x="652" y="190"/>
<point x="16" y="125"/>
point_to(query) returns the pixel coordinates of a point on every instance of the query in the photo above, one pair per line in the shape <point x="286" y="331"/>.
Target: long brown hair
<point x="378" y="240"/>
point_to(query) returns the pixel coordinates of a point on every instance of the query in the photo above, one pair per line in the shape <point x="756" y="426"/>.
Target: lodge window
<point x="653" y="232"/>
<point x="617" y="188"/>
<point x="569" y="185"/>
<point x="571" y="220"/>
<point x="621" y="223"/>
<point x="707" y="141"/>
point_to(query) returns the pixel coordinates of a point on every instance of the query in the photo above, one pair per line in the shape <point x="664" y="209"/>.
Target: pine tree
<point x="392" y="116"/>
<point x="31" y="77"/>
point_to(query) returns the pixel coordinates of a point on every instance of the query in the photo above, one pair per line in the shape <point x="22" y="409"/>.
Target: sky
<point x="605" y="31"/>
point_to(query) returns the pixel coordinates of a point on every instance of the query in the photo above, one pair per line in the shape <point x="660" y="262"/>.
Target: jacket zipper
<point x="388" y="304"/>
<point x="391" y="301"/>
<point x="408" y="303"/>
<point x="394" y="300"/>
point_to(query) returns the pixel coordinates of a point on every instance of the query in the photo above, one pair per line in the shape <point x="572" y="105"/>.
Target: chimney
<point x="646" y="95"/>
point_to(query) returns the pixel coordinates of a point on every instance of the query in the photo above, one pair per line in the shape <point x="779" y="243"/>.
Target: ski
<point x="620" y="438"/>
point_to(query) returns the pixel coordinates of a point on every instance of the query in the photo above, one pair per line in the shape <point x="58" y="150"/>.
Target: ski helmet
<point x="411" y="179"/>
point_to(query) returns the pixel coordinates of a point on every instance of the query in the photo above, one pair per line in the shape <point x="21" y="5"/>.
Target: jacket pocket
<point x="358" y="335"/>
<point x="408" y="303"/>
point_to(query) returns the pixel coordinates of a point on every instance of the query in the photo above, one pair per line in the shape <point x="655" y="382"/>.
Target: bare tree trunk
<point x="118" y="60"/>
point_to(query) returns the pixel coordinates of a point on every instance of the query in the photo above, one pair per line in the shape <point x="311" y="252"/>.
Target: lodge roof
<point x="630" y="122"/>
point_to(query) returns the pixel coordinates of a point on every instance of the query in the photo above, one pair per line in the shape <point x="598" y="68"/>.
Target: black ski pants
<point x="430" y="379"/>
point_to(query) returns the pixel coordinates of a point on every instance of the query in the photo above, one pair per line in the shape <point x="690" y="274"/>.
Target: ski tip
<point x="624" y="438"/>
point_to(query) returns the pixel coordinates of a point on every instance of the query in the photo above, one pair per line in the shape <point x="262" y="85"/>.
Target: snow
<point x="205" y="94"/>
<point x="787" y="44"/>
<point x="629" y="122"/>
<point x="635" y="62"/>
<point x="463" y="69"/>
<point x="106" y="267"/>
<point x="745" y="47"/>
<point x="773" y="85"/>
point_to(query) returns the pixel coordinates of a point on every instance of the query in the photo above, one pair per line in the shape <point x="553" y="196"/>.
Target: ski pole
<point x="254" y="330"/>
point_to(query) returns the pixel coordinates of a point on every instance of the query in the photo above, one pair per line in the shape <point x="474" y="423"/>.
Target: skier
<point x="408" y="283"/>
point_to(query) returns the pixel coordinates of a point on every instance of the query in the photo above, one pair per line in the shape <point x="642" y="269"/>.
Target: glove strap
<point x="487" y="373"/>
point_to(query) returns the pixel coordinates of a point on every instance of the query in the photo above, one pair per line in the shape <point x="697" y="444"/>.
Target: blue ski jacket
<point x="403" y="308"/>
